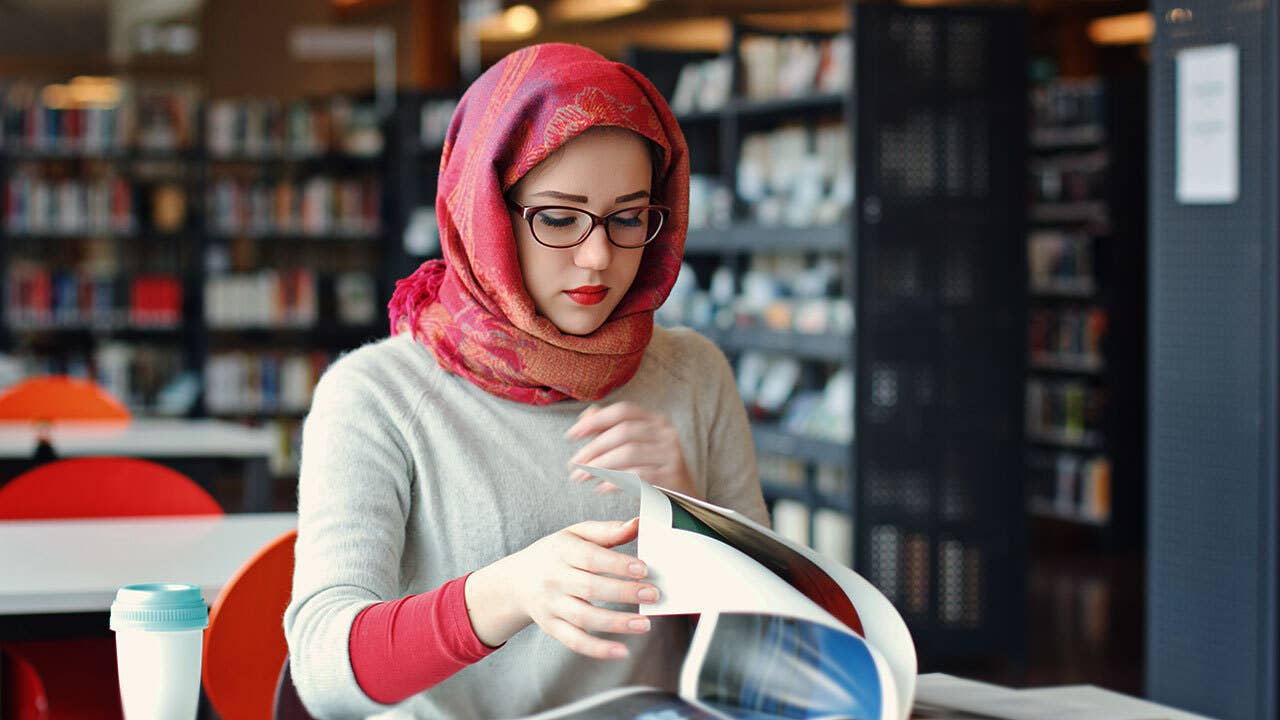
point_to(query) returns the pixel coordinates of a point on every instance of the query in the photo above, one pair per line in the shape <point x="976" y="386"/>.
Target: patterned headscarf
<point x="471" y="309"/>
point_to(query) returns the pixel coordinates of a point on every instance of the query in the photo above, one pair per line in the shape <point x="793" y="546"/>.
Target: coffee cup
<point x="159" y="631"/>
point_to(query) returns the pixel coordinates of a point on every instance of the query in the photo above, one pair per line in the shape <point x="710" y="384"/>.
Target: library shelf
<point x="830" y="347"/>
<point x="1070" y="212"/>
<point x="751" y="237"/>
<point x="773" y="440"/>
<point x="816" y="102"/>
<point x="1045" y="508"/>
<point x="1077" y="136"/>
<point x="1083" y="440"/>
<point x="1067" y="363"/>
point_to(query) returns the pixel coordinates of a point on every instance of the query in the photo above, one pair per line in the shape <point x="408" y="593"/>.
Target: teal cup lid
<point x="159" y="607"/>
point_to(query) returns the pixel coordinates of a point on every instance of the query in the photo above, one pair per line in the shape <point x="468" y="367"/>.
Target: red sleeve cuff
<point x="400" y="648"/>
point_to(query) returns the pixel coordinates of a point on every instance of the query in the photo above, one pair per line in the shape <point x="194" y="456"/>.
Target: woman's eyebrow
<point x="583" y="198"/>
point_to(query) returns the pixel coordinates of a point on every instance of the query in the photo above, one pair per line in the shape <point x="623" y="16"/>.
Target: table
<point x="182" y="444"/>
<point x="51" y="568"/>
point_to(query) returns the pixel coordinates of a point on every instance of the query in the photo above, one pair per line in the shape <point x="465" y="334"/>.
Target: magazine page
<point x="632" y="703"/>
<point x="698" y="571"/>
<point x="882" y="625"/>
<point x="767" y="666"/>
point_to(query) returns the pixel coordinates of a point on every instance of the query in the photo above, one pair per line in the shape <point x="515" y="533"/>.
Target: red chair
<point x="56" y="397"/>
<point x="244" y="647"/>
<point x="73" y="679"/>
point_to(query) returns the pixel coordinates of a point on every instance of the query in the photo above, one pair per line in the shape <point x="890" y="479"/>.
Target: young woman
<point x="448" y="564"/>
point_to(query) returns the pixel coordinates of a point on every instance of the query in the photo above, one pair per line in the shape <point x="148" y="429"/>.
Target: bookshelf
<point x="875" y="326"/>
<point x="1086" y="288"/>
<point x="201" y="259"/>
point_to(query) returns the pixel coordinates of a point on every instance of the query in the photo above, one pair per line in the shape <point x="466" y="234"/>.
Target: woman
<point x="438" y="517"/>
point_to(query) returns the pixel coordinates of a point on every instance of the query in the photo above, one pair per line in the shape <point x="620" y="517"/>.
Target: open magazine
<point x="783" y="632"/>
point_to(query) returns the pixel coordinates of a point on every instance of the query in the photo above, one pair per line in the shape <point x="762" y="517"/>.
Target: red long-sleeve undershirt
<point x="402" y="647"/>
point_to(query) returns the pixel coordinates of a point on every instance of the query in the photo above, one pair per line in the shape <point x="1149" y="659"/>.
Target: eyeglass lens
<point x="563" y="227"/>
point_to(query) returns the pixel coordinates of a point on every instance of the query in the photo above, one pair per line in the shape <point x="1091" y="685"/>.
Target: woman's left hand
<point x="628" y="437"/>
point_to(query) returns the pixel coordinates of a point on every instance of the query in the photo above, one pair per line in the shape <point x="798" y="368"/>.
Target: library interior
<point x="956" y="254"/>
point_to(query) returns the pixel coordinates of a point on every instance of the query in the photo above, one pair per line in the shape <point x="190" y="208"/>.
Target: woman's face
<point x="602" y="170"/>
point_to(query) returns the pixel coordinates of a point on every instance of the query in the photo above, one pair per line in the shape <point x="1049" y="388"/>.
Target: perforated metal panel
<point x="941" y="121"/>
<point x="1212" y="564"/>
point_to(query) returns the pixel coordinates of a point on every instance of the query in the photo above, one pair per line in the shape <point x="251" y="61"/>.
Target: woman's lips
<point x="588" y="294"/>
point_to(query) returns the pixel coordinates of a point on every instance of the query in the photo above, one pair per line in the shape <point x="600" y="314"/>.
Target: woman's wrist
<point x="491" y="606"/>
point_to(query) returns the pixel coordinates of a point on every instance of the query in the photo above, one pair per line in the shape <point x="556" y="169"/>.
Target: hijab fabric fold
<point x="471" y="309"/>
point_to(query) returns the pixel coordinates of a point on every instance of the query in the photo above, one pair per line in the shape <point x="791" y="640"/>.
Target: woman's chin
<point x="578" y="321"/>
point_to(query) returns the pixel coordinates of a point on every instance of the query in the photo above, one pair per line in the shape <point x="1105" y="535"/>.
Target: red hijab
<point x="471" y="310"/>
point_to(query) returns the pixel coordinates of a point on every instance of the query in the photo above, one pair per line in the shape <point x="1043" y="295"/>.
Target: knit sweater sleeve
<point x="353" y="500"/>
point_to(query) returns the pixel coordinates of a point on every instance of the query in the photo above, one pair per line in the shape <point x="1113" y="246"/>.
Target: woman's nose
<point x="595" y="252"/>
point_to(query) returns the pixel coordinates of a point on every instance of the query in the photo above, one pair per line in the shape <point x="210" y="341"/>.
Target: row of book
<point x="1070" y="177"/>
<point x="244" y="382"/>
<point x="831" y="530"/>
<point x="266" y="128"/>
<point x="98" y="116"/>
<point x="1068" y="106"/>
<point x="319" y="205"/>
<point x="1061" y="263"/>
<point x="794" y="66"/>
<point x="778" y="292"/>
<point x="796" y="175"/>
<point x="1071" y="485"/>
<point x="1067" y="335"/>
<point x="788" y="471"/>
<point x="38" y="205"/>
<point x="1065" y="412"/>
<point x="262" y="299"/>
<point x="38" y="297"/>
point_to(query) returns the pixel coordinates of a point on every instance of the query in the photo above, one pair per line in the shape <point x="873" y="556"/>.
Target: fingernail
<point x="648" y="595"/>
<point x="637" y="569"/>
<point x="618" y="651"/>
<point x="639" y="624"/>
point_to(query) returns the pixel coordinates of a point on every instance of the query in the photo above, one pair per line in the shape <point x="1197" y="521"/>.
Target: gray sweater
<point x="412" y="476"/>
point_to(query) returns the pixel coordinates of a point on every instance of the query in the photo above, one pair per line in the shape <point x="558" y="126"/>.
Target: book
<point x="782" y="632"/>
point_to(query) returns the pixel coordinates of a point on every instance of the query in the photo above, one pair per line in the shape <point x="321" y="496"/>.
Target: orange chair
<point x="57" y="397"/>
<point x="73" y="679"/>
<point x="244" y="647"/>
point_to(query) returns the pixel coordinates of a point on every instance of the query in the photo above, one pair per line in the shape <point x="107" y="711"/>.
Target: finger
<point x="577" y="640"/>
<point x="627" y="431"/>
<point x="606" y="533"/>
<point x="580" y="475"/>
<point x="592" y="558"/>
<point x="631" y="457"/>
<point x="605" y="418"/>
<point x="606" y="488"/>
<point x="597" y="619"/>
<point x="600" y="588"/>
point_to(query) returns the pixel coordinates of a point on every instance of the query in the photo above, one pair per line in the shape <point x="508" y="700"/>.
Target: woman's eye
<point x="628" y="220"/>
<point x="557" y="222"/>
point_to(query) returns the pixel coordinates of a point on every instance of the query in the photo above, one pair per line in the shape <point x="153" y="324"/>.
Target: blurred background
<point x="996" y="359"/>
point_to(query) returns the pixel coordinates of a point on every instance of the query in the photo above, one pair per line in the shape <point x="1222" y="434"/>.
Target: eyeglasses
<point x="558" y="226"/>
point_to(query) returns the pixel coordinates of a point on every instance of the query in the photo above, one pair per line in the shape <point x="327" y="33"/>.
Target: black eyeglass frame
<point x="528" y="211"/>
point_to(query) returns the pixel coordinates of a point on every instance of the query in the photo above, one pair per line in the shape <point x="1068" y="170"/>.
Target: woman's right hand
<point x="553" y="583"/>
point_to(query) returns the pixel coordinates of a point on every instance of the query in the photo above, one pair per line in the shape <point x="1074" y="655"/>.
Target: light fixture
<point x="589" y="10"/>
<point x="521" y="20"/>
<point x="1129" y="29"/>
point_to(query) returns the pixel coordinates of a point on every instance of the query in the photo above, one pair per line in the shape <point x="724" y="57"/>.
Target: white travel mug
<point x="159" y="633"/>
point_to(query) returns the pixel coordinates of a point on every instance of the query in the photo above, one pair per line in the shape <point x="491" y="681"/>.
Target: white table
<point x="76" y="566"/>
<point x="171" y="441"/>
<point x="142" y="437"/>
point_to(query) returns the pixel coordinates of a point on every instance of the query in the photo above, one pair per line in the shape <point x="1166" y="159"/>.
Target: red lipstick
<point x="588" y="294"/>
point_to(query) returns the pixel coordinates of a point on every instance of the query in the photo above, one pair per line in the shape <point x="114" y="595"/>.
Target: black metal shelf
<point x="806" y="104"/>
<point x="1066" y="363"/>
<point x="1067" y="138"/>
<point x="746" y="238"/>
<point x="1045" y="509"/>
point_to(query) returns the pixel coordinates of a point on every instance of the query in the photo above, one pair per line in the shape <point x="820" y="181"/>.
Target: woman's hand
<point x="630" y="438"/>
<point x="553" y="582"/>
